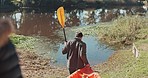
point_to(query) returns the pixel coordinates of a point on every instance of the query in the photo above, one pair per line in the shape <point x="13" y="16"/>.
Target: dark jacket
<point x="9" y="62"/>
<point x="76" y="54"/>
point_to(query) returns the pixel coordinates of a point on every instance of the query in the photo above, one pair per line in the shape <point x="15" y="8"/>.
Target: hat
<point x="79" y="34"/>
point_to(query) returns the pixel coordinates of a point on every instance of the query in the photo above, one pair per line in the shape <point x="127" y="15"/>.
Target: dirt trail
<point x="34" y="66"/>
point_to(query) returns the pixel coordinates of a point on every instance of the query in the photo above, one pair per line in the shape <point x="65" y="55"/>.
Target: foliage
<point x="126" y="30"/>
<point x="122" y="31"/>
<point x="24" y="42"/>
<point x="68" y="3"/>
<point x="6" y="4"/>
<point x="74" y="1"/>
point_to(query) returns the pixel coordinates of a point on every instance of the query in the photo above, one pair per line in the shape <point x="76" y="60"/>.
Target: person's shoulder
<point x="83" y="43"/>
<point x="71" y="41"/>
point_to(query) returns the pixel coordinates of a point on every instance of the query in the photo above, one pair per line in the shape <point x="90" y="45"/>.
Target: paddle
<point x="61" y="18"/>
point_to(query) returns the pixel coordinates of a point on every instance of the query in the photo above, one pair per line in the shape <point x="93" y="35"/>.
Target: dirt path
<point x="34" y="66"/>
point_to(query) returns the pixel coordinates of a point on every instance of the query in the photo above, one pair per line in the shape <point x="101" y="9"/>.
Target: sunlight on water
<point x="96" y="52"/>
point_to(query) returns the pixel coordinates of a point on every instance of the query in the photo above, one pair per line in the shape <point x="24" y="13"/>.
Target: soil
<point x="34" y="66"/>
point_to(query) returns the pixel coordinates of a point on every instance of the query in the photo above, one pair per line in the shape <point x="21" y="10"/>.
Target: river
<point x="44" y="24"/>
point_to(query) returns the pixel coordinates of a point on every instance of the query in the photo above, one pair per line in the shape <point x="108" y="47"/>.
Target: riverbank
<point x="122" y="64"/>
<point x="123" y="32"/>
<point x="32" y="64"/>
<point x="119" y="33"/>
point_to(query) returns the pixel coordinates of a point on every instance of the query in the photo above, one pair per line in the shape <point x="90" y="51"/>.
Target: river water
<point x="44" y="24"/>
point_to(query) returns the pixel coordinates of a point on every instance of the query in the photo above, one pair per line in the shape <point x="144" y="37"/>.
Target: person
<point x="76" y="53"/>
<point x="9" y="62"/>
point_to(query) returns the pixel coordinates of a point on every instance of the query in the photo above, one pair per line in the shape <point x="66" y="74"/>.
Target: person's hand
<point x="65" y="43"/>
<point x="87" y="65"/>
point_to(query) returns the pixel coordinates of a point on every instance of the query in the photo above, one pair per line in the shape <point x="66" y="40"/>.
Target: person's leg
<point x="71" y="71"/>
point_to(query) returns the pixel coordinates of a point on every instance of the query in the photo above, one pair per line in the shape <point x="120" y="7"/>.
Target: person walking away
<point x="9" y="62"/>
<point x="76" y="53"/>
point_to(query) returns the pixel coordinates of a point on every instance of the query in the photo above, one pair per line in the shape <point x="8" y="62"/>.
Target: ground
<point x="123" y="64"/>
<point x="34" y="66"/>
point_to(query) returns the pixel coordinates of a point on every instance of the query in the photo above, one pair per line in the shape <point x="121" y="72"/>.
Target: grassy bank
<point x="24" y="42"/>
<point x="123" y="31"/>
<point x="123" y="64"/>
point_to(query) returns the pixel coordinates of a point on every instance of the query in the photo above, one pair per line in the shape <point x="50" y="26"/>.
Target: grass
<point x="123" y="64"/>
<point x="24" y="42"/>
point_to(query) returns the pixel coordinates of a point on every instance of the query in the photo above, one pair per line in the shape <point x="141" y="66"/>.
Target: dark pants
<point x="71" y="70"/>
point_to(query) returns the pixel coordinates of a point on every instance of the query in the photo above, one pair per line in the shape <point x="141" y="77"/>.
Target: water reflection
<point x="18" y="18"/>
<point x="44" y="23"/>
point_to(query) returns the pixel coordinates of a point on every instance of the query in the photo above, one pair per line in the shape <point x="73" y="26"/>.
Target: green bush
<point x="125" y="30"/>
<point x="24" y="42"/>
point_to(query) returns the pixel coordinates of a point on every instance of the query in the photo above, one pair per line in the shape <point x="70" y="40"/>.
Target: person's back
<point x="9" y="67"/>
<point x="9" y="62"/>
<point x="76" y="53"/>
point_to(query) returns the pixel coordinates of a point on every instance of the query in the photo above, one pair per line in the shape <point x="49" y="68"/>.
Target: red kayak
<point x="85" y="72"/>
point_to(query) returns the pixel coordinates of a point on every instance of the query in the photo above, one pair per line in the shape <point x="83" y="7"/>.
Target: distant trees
<point x="57" y="3"/>
<point x="37" y="3"/>
<point x="2" y="2"/>
<point x="6" y="3"/>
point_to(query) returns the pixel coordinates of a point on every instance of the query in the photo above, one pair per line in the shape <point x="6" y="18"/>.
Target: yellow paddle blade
<point x="61" y="16"/>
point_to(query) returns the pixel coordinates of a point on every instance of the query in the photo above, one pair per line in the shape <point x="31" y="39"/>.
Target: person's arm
<point x="66" y="48"/>
<point x="83" y="54"/>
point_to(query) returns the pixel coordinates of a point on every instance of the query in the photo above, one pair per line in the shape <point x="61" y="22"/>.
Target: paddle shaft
<point x="64" y="34"/>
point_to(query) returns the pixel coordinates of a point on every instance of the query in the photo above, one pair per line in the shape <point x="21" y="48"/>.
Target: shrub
<point x="125" y="30"/>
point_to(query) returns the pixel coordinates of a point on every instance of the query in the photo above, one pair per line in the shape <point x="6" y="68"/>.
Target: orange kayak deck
<point x="84" y="73"/>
